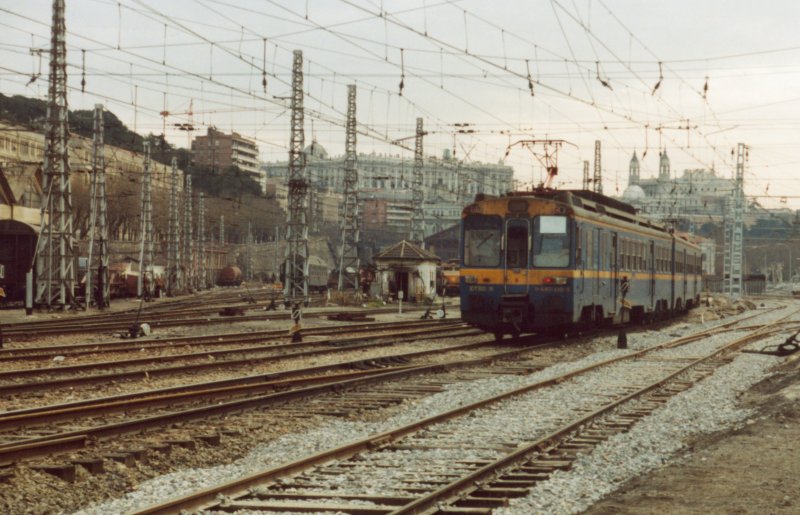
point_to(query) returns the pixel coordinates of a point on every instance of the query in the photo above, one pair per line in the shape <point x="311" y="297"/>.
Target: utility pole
<point x="55" y="256"/>
<point x="201" y="241"/>
<point x="146" y="249"/>
<point x="97" y="226"/>
<point x="598" y="170"/>
<point x="296" y="267"/>
<point x="734" y="221"/>
<point x="174" y="276"/>
<point x="188" y="236"/>
<point x="585" y="175"/>
<point x="348" y="254"/>
<point x="417" y="235"/>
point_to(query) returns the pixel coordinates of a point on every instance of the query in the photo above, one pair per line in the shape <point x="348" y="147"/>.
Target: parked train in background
<point x="449" y="278"/>
<point x="559" y="259"/>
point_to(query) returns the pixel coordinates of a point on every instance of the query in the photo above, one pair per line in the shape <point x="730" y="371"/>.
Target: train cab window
<point x="482" y="238"/>
<point x="517" y="246"/>
<point x="551" y="241"/>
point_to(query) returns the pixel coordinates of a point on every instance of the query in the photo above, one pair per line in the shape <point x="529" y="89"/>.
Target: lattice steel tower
<point x="348" y="253"/>
<point x="174" y="277"/>
<point x="222" y="231"/>
<point x="55" y="257"/>
<point x="146" y="248"/>
<point x="201" y="241"/>
<point x="417" y="235"/>
<point x="598" y="169"/>
<point x="97" y="267"/>
<point x="296" y="267"/>
<point x="586" y="175"/>
<point x="734" y="220"/>
<point x="188" y="235"/>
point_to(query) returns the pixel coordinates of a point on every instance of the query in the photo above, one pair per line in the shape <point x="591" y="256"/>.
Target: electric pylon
<point x="598" y="170"/>
<point x="174" y="276"/>
<point x="222" y="231"/>
<point x="734" y="221"/>
<point x="145" y="281"/>
<point x="98" y="230"/>
<point x="296" y="266"/>
<point x="201" y="241"/>
<point x="348" y="253"/>
<point x="188" y="235"/>
<point x="417" y="235"/>
<point x="585" y="175"/>
<point x="55" y="257"/>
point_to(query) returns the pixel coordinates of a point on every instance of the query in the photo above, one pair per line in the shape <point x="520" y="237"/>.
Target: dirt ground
<point x="753" y="469"/>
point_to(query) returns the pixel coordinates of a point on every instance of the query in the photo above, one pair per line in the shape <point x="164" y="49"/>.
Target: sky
<point x="693" y="78"/>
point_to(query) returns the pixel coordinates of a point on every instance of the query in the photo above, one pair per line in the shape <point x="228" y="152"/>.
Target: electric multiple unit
<point x="556" y="260"/>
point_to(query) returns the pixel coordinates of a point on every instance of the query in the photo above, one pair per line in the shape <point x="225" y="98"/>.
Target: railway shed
<point x="408" y="268"/>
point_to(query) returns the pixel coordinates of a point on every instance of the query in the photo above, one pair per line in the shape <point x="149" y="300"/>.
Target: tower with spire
<point x="663" y="166"/>
<point x="633" y="171"/>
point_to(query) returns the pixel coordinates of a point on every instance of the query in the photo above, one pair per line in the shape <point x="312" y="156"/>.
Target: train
<point x="319" y="274"/>
<point x="449" y="278"/>
<point x="560" y="260"/>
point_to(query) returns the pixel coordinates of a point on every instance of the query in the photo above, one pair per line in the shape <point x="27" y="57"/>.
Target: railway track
<point x="465" y="460"/>
<point x="49" y="430"/>
<point x="122" y="322"/>
<point x="31" y="433"/>
<point x="48" y="352"/>
<point x="14" y="382"/>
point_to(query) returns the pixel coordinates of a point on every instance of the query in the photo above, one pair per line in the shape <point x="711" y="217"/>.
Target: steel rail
<point x="16" y="388"/>
<point x="49" y="351"/>
<point x="209" y="497"/>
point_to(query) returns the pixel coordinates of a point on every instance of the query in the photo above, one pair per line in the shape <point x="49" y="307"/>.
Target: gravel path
<point x="543" y="410"/>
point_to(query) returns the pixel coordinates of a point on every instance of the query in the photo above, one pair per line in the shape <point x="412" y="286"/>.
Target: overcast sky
<point x="728" y="73"/>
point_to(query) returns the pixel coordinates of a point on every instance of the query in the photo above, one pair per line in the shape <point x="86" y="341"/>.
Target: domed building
<point x="315" y="151"/>
<point x="698" y="193"/>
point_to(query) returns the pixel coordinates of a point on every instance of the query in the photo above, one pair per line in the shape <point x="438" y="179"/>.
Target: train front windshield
<point x="550" y="241"/>
<point x="482" y="238"/>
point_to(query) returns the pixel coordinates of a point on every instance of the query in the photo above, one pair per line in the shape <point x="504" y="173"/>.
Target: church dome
<point x="633" y="193"/>
<point x="315" y="151"/>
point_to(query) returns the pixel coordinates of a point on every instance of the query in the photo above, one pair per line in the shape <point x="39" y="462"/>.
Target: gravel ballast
<point x="672" y="423"/>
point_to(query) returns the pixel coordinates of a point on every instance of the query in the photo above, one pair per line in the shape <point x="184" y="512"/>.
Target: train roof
<point x="592" y="202"/>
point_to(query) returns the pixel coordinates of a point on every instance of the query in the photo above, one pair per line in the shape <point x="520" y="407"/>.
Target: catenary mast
<point x="348" y="253"/>
<point x="296" y="266"/>
<point x="55" y="257"/>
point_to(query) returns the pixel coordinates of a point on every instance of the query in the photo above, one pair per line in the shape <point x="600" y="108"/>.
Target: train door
<point x="672" y="257"/>
<point x="581" y="256"/>
<point x="651" y="270"/>
<point x="684" y="278"/>
<point x="517" y="250"/>
<point x="614" y="264"/>
<point x="597" y="264"/>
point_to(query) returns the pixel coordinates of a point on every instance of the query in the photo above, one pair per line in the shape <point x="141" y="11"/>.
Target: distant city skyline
<point x="692" y="78"/>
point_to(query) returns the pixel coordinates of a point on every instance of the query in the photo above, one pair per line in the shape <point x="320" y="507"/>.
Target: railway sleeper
<point x="508" y="493"/>
<point x="62" y="471"/>
<point x="93" y="466"/>
<point x="302" y="507"/>
<point x="480" y="502"/>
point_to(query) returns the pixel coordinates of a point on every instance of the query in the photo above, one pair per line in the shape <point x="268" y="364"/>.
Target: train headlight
<point x="470" y="279"/>
<point x="555" y="280"/>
